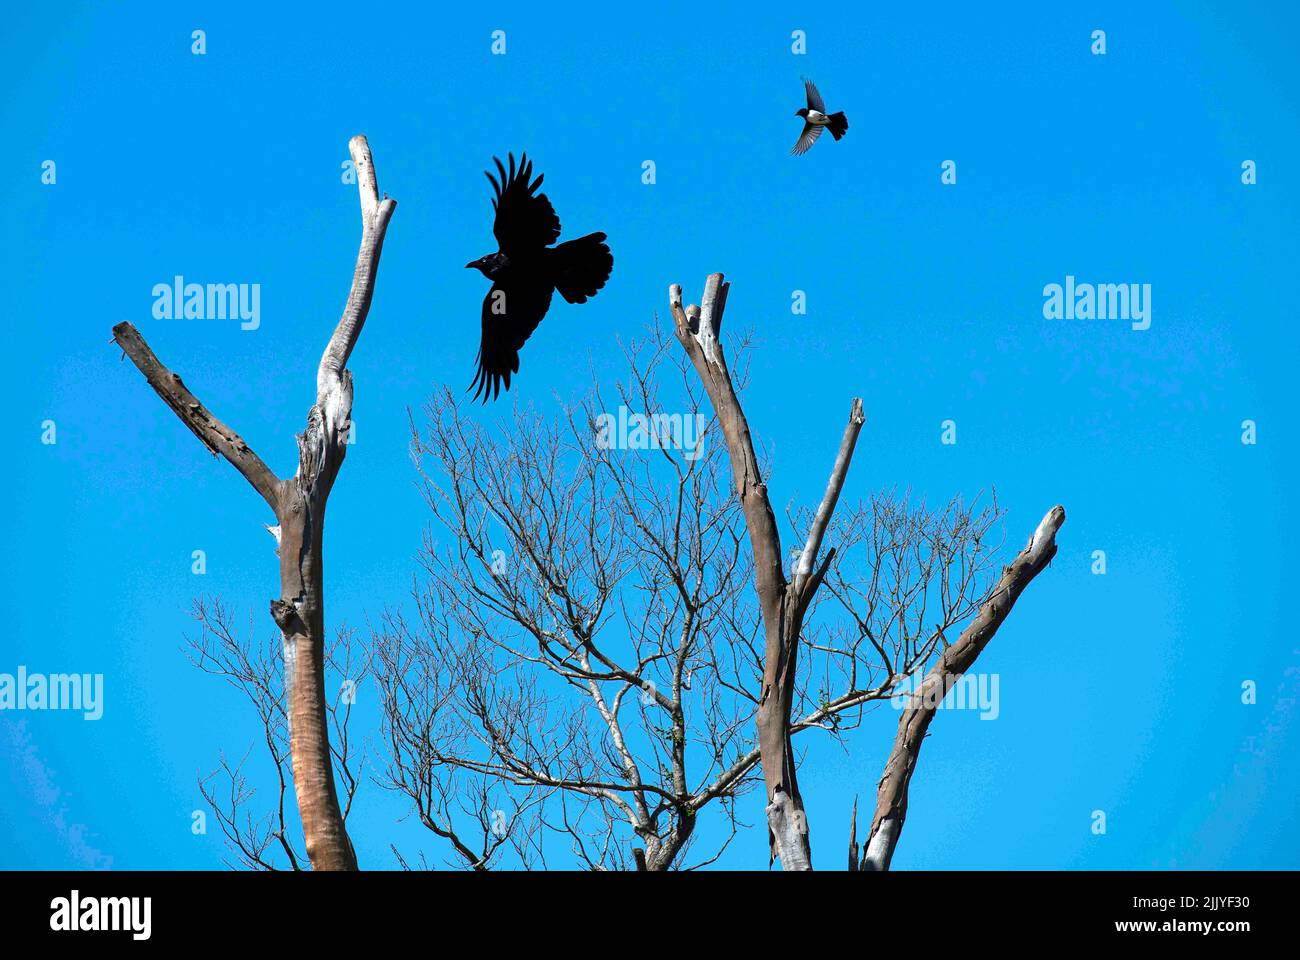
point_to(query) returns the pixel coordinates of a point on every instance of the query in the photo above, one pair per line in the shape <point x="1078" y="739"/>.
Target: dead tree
<point x="298" y="503"/>
<point x="581" y="678"/>
<point x="785" y="602"/>
<point x="576" y="682"/>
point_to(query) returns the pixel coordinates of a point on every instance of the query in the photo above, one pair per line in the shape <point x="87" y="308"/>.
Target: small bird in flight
<point x="526" y="270"/>
<point x="815" y="119"/>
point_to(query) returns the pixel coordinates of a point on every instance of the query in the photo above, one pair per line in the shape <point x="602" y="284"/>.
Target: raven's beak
<point x="471" y="264"/>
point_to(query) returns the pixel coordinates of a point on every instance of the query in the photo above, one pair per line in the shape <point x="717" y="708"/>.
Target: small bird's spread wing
<point x="525" y="219"/>
<point x="814" y="98"/>
<point x="511" y="312"/>
<point x="806" y="139"/>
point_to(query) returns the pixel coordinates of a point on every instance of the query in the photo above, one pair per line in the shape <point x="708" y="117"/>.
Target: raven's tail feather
<point x="500" y="362"/>
<point x="838" y="124"/>
<point x="581" y="267"/>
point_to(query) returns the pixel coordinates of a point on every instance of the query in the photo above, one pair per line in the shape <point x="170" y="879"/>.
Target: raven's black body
<point x="526" y="271"/>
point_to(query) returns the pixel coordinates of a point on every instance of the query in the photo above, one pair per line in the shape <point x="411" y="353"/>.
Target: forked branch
<point x="299" y="506"/>
<point x="783" y="602"/>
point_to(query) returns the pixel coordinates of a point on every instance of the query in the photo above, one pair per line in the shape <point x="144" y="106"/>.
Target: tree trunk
<point x="299" y="506"/>
<point x="782" y="602"/>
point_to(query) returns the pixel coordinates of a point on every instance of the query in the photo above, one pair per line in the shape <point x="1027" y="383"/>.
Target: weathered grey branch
<point x="299" y="506"/>
<point x="957" y="659"/>
<point x="215" y="435"/>
<point x="375" y="214"/>
<point x="783" y="603"/>
<point x="833" y="487"/>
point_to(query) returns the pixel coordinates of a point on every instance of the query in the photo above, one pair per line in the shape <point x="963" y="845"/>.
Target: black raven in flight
<point x="525" y="271"/>
<point x="815" y="118"/>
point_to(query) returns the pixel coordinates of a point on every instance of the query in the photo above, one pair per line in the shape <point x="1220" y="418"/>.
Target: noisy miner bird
<point x="815" y="119"/>
<point x="526" y="270"/>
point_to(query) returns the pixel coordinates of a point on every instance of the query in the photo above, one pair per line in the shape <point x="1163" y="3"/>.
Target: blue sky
<point x="1119" y="692"/>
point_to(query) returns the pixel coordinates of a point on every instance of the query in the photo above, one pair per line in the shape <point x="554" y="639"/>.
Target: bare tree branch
<point x="215" y="435"/>
<point x="833" y="487"/>
<point x="574" y="641"/>
<point x="957" y="659"/>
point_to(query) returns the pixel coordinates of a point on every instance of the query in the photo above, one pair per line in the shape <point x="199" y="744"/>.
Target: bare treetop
<point x="299" y="506"/>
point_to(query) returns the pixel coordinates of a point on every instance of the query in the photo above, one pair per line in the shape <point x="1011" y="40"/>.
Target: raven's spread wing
<point x="511" y="312"/>
<point x="806" y="139"/>
<point x="524" y="222"/>
<point x="814" y="98"/>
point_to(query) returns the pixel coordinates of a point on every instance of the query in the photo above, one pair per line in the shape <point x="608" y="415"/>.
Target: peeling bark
<point x="299" y="506"/>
